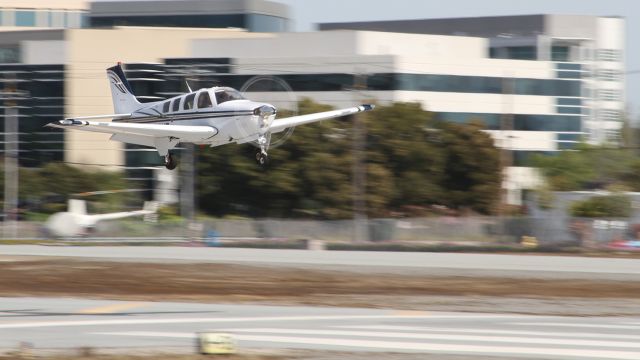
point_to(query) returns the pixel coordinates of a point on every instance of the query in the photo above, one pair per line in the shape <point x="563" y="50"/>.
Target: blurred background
<point x="501" y="127"/>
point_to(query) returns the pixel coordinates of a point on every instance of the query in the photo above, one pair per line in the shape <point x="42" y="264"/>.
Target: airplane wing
<point x="181" y="132"/>
<point x="284" y="123"/>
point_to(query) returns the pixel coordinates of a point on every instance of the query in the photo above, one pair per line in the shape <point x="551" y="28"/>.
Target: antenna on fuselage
<point x="188" y="87"/>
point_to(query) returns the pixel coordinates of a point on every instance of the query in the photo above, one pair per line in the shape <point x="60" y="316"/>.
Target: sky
<point x="306" y="13"/>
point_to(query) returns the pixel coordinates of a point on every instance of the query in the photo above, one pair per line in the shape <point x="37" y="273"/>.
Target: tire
<point x="170" y="162"/>
<point x="262" y="160"/>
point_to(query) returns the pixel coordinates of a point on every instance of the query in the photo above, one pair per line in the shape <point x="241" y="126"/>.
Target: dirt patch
<point x="233" y="283"/>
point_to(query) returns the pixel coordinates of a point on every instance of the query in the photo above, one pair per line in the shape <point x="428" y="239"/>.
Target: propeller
<point x="282" y="96"/>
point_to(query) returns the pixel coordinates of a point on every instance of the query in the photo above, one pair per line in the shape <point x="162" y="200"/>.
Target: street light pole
<point x="360" y="221"/>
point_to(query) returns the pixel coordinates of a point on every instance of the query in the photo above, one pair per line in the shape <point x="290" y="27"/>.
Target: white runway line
<point x="595" y="326"/>
<point x="411" y="346"/>
<point x="40" y="324"/>
<point x="492" y="331"/>
<point x="456" y="337"/>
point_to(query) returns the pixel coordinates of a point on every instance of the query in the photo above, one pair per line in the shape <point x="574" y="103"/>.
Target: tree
<point x="615" y="205"/>
<point x="311" y="174"/>
<point x="472" y="175"/>
<point x="400" y="140"/>
<point x="590" y="167"/>
<point x="56" y="182"/>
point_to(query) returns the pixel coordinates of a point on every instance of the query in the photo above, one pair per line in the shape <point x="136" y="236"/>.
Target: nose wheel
<point x="262" y="159"/>
<point x="170" y="162"/>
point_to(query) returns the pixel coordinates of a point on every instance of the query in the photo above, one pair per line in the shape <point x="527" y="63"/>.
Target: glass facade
<point x="42" y="87"/>
<point x="473" y="84"/>
<point x="9" y="54"/>
<point x="569" y="101"/>
<point x="43" y="18"/>
<point x="25" y="18"/>
<point x="251" y="22"/>
<point x="522" y="122"/>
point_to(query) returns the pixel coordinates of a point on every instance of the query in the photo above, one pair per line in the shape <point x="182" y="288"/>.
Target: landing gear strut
<point x="170" y="162"/>
<point x="261" y="156"/>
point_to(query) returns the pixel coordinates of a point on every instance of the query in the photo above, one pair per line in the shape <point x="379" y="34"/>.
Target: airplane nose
<point x="264" y="110"/>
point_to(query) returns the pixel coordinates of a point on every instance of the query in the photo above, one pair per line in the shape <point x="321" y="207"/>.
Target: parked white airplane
<point x="213" y="116"/>
<point x="76" y="222"/>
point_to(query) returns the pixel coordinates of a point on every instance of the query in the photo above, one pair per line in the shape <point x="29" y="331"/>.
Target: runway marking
<point x="430" y="336"/>
<point x="409" y="346"/>
<point x="39" y="324"/>
<point x="110" y="309"/>
<point x="598" y="326"/>
<point x="492" y="331"/>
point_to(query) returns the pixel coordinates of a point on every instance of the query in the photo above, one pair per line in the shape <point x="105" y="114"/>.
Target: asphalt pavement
<point x="56" y="323"/>
<point x="556" y="267"/>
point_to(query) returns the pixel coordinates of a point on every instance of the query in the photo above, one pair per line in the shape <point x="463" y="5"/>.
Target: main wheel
<point x="170" y="162"/>
<point x="262" y="159"/>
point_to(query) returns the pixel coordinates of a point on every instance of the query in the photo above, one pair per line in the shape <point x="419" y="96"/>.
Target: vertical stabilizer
<point x="76" y="206"/>
<point x="124" y="102"/>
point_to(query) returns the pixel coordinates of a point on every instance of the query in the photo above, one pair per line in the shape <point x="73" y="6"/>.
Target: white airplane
<point x="76" y="222"/>
<point x="213" y="116"/>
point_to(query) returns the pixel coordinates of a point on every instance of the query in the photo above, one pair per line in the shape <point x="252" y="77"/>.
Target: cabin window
<point x="227" y="94"/>
<point x="175" y="105"/>
<point x="204" y="100"/>
<point x="165" y="106"/>
<point x="188" y="101"/>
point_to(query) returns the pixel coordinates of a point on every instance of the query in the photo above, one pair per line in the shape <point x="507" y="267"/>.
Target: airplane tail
<point x="124" y="102"/>
<point x="76" y="206"/>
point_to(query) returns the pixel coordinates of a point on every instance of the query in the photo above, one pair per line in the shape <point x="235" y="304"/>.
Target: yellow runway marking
<point x="409" y="313"/>
<point x="110" y="309"/>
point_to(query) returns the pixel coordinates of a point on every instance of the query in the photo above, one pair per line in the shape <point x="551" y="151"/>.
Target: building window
<point x="9" y="55"/>
<point x="612" y="135"/>
<point x="609" y="95"/>
<point x="610" y="114"/>
<point x="568" y="137"/>
<point x="559" y="53"/>
<point x="569" y="101"/>
<point x="25" y="18"/>
<point x="569" y="74"/>
<point x="56" y="19"/>
<point x="523" y="122"/>
<point x="265" y="23"/>
<point x="568" y="66"/>
<point x="568" y="109"/>
<point x="609" y="55"/>
<point x="609" y="75"/>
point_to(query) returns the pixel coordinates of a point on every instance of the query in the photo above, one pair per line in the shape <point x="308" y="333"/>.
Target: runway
<point x="55" y="323"/>
<point x="556" y="267"/>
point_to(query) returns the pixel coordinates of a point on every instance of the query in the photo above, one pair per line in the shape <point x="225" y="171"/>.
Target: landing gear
<point x="170" y="162"/>
<point x="261" y="156"/>
<point x="262" y="159"/>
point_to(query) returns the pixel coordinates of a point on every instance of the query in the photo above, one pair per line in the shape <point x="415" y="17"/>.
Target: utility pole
<point x="360" y="221"/>
<point x="11" y="166"/>
<point x="187" y="182"/>
<point x="506" y="156"/>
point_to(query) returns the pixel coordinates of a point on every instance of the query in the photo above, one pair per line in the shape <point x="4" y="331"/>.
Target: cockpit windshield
<point x="227" y="94"/>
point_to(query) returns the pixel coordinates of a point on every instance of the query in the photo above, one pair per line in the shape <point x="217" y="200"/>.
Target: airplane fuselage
<point x="235" y="120"/>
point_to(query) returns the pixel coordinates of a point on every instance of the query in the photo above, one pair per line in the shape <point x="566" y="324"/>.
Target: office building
<point x="43" y="14"/>
<point x="587" y="48"/>
<point x="255" y="16"/>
